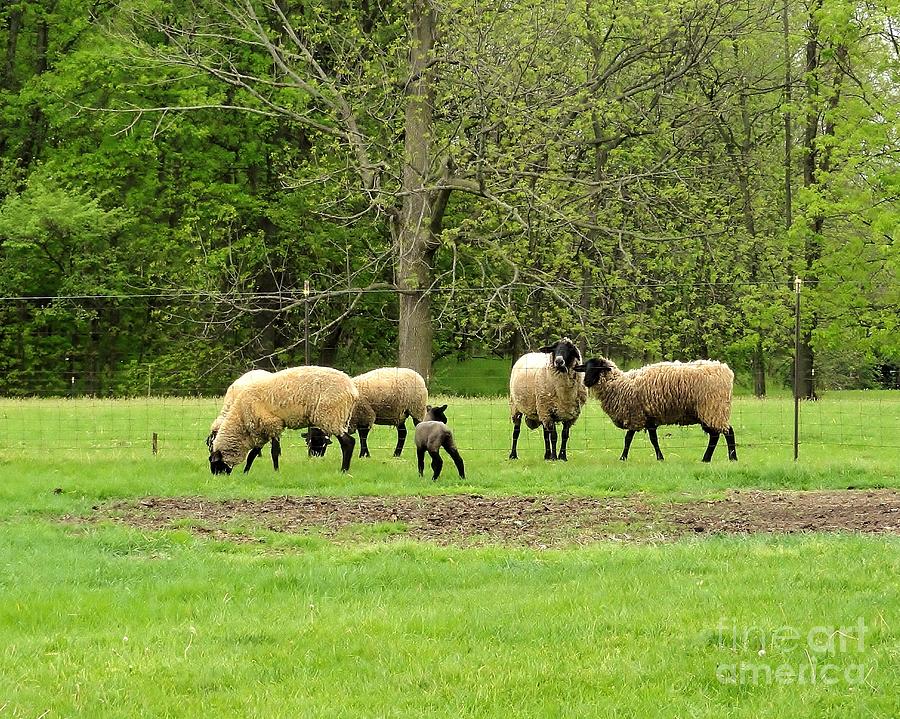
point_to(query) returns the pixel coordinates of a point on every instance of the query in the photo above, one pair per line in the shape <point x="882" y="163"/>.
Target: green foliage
<point x="627" y="159"/>
<point x="96" y="616"/>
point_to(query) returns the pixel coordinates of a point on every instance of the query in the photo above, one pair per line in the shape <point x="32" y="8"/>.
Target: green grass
<point x="106" y="621"/>
<point x="101" y="448"/>
<point x="476" y="377"/>
<point x="100" y="620"/>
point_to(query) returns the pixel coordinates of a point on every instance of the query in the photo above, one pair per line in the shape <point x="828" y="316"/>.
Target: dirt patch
<point x="866" y="511"/>
<point x="527" y="521"/>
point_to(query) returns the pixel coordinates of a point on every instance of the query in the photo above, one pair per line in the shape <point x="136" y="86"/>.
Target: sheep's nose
<point x="559" y="362"/>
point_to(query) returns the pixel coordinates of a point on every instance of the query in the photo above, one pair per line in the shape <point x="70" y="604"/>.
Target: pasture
<point x="114" y="604"/>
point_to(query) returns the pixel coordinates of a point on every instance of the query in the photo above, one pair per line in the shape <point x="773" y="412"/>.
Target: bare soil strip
<point x="525" y="521"/>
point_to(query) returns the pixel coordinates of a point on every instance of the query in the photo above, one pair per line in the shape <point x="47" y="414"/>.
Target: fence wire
<point x="103" y="427"/>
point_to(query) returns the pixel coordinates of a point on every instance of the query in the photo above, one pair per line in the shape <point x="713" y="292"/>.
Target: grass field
<point x="102" y="619"/>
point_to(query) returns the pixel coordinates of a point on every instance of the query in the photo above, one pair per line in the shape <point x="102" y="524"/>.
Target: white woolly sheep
<point x="387" y="396"/>
<point x="665" y="393"/>
<point x="545" y="389"/>
<point x="289" y="399"/>
<point x="432" y="433"/>
<point x="234" y="388"/>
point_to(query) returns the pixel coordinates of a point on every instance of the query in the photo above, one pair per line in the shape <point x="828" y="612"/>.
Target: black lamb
<point x="432" y="433"/>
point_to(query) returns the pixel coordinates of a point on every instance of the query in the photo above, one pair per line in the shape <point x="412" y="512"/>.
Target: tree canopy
<point x="451" y="178"/>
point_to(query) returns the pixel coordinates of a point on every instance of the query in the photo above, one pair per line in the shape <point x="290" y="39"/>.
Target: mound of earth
<point x="530" y="521"/>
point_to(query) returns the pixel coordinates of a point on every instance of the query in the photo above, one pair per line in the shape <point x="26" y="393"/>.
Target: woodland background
<point x="455" y="179"/>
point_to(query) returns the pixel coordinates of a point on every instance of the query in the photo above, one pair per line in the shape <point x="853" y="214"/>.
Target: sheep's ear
<point x="442" y="408"/>
<point x="548" y="348"/>
<point x="579" y="368"/>
<point x="427" y="407"/>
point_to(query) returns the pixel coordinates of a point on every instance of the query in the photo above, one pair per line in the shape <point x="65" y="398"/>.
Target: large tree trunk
<point x="415" y="234"/>
<point x="759" y="370"/>
<point x="13" y="26"/>
<point x="33" y="144"/>
<point x="806" y="356"/>
<point x="816" y="166"/>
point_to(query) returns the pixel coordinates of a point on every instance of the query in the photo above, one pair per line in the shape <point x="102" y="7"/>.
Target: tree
<point x="493" y="119"/>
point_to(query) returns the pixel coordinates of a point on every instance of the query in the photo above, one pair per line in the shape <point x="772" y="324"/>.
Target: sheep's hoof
<point x="622" y="458"/>
<point x="513" y="455"/>
<point x="562" y="458"/>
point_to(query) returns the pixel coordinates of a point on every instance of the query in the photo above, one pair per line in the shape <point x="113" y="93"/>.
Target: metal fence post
<point x="798" y="283"/>
<point x="306" y="322"/>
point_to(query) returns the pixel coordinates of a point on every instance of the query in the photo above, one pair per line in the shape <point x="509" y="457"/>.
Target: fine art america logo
<point x="788" y="655"/>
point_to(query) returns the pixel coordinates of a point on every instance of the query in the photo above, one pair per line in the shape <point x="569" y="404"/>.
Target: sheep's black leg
<point x="401" y="438"/>
<point x="276" y="452"/>
<point x="654" y="440"/>
<point x="457" y="460"/>
<point x="711" y="447"/>
<point x="436" y="464"/>
<point x="420" y="460"/>
<point x="347" y="443"/>
<point x="517" y="427"/>
<point x="254" y="453"/>
<point x="732" y="450"/>
<point x="565" y="440"/>
<point x="550" y="441"/>
<point x="629" y="435"/>
<point x="363" y="444"/>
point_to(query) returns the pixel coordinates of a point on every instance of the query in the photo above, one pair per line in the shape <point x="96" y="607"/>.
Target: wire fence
<point x="98" y="374"/>
<point x="868" y="421"/>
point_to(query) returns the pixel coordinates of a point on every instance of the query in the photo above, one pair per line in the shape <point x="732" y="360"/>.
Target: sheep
<point x="387" y="396"/>
<point x="431" y="434"/>
<point x="295" y="397"/>
<point x="545" y="390"/>
<point x="665" y="393"/>
<point x="237" y="386"/>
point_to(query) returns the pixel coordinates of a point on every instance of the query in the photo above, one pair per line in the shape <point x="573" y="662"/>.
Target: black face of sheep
<point x="565" y="355"/>
<point x="593" y="370"/>
<point x="217" y="465"/>
<point x="435" y="414"/>
<point x="317" y="442"/>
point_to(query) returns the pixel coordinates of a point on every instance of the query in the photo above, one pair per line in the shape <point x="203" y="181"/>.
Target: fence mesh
<point x="99" y="374"/>
<point x="102" y="426"/>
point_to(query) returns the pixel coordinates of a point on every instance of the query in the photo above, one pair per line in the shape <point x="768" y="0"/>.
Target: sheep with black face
<point x="544" y="389"/>
<point x="682" y="393"/>
<point x="431" y="435"/>
<point x="293" y="398"/>
<point x="387" y="396"/>
<point x="235" y="388"/>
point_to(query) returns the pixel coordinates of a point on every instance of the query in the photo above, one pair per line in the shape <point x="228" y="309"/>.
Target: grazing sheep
<point x="316" y="442"/>
<point x="296" y="397"/>
<point x="387" y="396"/>
<point x="237" y="386"/>
<point x="431" y="434"/>
<point x="545" y="389"/>
<point x="665" y="393"/>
